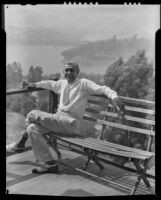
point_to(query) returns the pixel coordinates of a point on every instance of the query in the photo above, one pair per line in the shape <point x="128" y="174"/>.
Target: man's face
<point x="70" y="73"/>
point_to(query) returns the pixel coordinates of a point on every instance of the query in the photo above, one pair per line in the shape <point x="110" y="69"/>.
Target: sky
<point x="93" y="21"/>
<point x="88" y="22"/>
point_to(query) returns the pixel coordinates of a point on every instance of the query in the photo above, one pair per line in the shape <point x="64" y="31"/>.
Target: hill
<point x="107" y="51"/>
<point x="17" y="35"/>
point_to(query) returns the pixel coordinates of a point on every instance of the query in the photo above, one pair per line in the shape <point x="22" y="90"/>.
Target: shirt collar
<point x="73" y="83"/>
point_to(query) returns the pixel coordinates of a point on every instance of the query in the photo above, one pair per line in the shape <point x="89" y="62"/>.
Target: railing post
<point x="53" y="99"/>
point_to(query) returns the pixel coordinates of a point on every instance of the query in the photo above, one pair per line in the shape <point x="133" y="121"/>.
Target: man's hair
<point x="73" y="65"/>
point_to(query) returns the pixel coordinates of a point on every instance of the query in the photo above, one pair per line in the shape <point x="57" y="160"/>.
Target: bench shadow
<point x="26" y="162"/>
<point x="108" y="173"/>
<point x="77" y="193"/>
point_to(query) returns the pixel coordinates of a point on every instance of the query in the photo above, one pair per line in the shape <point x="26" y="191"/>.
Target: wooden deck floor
<point x="68" y="182"/>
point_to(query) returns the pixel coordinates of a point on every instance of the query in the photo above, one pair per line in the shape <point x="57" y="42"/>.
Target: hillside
<point x="107" y="51"/>
<point x="17" y="35"/>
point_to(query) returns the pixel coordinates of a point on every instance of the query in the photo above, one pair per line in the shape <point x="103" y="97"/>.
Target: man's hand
<point x="31" y="85"/>
<point x="118" y="105"/>
<point x="26" y="84"/>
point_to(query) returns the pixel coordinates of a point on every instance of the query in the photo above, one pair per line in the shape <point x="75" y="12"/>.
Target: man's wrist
<point x="32" y="85"/>
<point x="118" y="104"/>
<point x="115" y="100"/>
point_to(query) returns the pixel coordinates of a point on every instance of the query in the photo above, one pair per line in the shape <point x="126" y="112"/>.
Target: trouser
<point x="40" y="123"/>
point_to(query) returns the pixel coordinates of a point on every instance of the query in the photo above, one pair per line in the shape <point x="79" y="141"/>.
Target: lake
<point x="48" y="57"/>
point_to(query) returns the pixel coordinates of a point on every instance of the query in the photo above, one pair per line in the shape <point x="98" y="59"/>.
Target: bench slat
<point x="125" y="127"/>
<point x="131" y="100"/>
<point x="111" y="114"/>
<point x="89" y="118"/>
<point x="119" y="146"/>
<point x="96" y="102"/>
<point x="120" y="126"/>
<point x="137" y="101"/>
<point x="130" y="108"/>
<point x="135" y="119"/>
<point x="104" y="144"/>
<point x="109" y="150"/>
<point x="142" y="110"/>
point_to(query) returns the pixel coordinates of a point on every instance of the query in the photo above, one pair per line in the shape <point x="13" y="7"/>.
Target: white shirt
<point x="73" y="97"/>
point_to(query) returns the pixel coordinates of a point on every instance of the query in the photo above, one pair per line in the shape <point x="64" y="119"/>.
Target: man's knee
<point x="32" y="117"/>
<point x="32" y="112"/>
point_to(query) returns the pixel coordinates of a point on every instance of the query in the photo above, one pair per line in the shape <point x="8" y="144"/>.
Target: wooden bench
<point x="138" y="122"/>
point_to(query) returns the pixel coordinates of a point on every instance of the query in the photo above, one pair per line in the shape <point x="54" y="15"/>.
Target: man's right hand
<point x="31" y="85"/>
<point x="26" y="84"/>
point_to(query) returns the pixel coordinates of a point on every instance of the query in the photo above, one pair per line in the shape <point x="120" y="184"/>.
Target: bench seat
<point x="105" y="147"/>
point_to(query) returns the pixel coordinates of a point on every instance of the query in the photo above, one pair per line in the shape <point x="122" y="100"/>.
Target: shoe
<point x="12" y="148"/>
<point x="48" y="167"/>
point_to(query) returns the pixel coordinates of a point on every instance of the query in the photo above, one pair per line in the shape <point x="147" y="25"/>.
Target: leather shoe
<point x="12" y="148"/>
<point x="48" y="167"/>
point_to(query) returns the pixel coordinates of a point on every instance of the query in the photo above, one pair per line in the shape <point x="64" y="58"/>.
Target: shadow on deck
<point x="68" y="182"/>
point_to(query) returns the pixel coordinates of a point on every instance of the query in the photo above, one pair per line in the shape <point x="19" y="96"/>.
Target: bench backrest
<point x="136" y="130"/>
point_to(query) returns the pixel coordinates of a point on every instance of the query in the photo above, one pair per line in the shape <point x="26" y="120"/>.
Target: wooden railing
<point x="53" y="98"/>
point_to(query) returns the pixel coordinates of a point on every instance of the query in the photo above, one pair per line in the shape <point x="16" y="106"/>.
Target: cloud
<point x="121" y="20"/>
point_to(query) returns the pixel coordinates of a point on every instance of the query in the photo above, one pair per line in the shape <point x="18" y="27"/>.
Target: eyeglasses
<point x="69" y="70"/>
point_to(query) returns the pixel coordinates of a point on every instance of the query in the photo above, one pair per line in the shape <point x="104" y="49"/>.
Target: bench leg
<point x="95" y="159"/>
<point x="92" y="156"/>
<point x="141" y="176"/>
<point x="136" y="186"/>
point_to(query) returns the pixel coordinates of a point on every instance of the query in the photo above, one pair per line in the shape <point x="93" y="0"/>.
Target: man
<point x="74" y="93"/>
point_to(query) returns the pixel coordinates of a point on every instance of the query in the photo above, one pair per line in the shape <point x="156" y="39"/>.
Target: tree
<point x="38" y="73"/>
<point x="34" y="74"/>
<point x="97" y="78"/>
<point x="130" y="78"/>
<point x="22" y="103"/>
<point x="13" y="75"/>
<point x="113" y="72"/>
<point x="151" y="88"/>
<point x="135" y="79"/>
<point x="31" y="75"/>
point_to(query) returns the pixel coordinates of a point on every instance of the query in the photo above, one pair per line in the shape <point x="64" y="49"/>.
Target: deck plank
<point x="67" y="182"/>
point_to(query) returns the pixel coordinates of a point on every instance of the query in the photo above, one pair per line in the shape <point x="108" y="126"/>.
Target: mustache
<point x="68" y="75"/>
